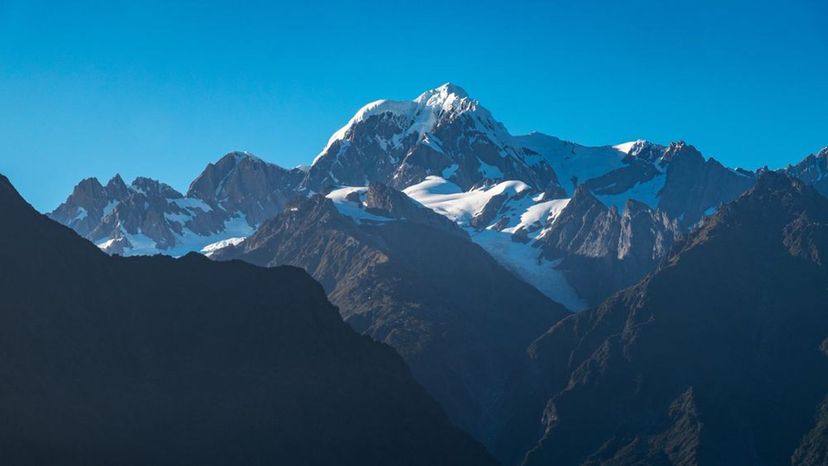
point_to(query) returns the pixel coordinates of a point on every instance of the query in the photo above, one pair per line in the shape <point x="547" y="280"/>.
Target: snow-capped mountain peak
<point x="442" y="132"/>
<point x="446" y="90"/>
<point x="447" y="97"/>
<point x="418" y="116"/>
<point x="627" y="147"/>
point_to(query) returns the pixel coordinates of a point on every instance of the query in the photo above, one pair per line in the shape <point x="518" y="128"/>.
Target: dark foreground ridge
<point x="153" y="360"/>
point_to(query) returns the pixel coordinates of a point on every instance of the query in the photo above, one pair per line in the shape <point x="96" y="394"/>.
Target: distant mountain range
<point x="446" y="151"/>
<point x="436" y="231"/>
<point x="229" y="199"/>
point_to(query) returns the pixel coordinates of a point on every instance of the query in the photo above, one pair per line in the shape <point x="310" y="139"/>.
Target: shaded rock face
<point x="813" y="450"/>
<point x="389" y="202"/>
<point x="459" y="319"/>
<point x="154" y="360"/>
<point x="443" y="132"/>
<point x="812" y="170"/>
<point x="240" y="182"/>
<point x="635" y="171"/>
<point x="490" y="212"/>
<point x="717" y="358"/>
<point x="88" y="203"/>
<point x="695" y="185"/>
<point x="602" y="251"/>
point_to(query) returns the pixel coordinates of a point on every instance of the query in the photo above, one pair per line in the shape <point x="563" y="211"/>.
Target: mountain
<point x="448" y="152"/>
<point x="716" y="358"/>
<point x="89" y="203"/>
<point x="600" y="250"/>
<point x="499" y="189"/>
<point x="154" y="360"/>
<point x="228" y="199"/>
<point x="411" y="278"/>
<point x="812" y="170"/>
<point x="613" y="172"/>
<point x="242" y="182"/>
<point x="695" y="187"/>
<point x="442" y="132"/>
<point x="445" y="133"/>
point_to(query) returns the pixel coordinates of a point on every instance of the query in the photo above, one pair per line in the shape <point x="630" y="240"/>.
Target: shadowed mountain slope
<point x="717" y="358"/>
<point x="410" y="278"/>
<point x="153" y="360"/>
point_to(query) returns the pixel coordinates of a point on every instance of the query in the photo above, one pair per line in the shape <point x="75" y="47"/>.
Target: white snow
<point x="524" y="261"/>
<point x="188" y="241"/>
<point x="445" y="98"/>
<point x="353" y="209"/>
<point x="646" y="192"/>
<point x="109" y="207"/>
<point x="541" y="213"/>
<point x="142" y="245"/>
<point x="106" y="244"/>
<point x="82" y="214"/>
<point x="399" y="108"/>
<point x="449" y="171"/>
<point x="530" y="213"/>
<point x="213" y="247"/>
<point x="490" y="171"/>
<point x="571" y="160"/>
<point x="627" y="146"/>
<point x="189" y="208"/>
<point x="446" y="198"/>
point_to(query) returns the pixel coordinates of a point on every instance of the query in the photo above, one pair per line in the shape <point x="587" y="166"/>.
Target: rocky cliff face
<point x="601" y="250"/>
<point x="714" y="359"/>
<point x="812" y="170"/>
<point x="695" y="187"/>
<point x="241" y="182"/>
<point x="153" y="360"/>
<point x="89" y="203"/>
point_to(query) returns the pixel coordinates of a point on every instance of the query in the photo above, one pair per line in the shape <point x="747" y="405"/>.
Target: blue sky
<point x="162" y="88"/>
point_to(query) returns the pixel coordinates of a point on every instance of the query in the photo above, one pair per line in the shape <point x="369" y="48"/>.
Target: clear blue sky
<point x="162" y="88"/>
